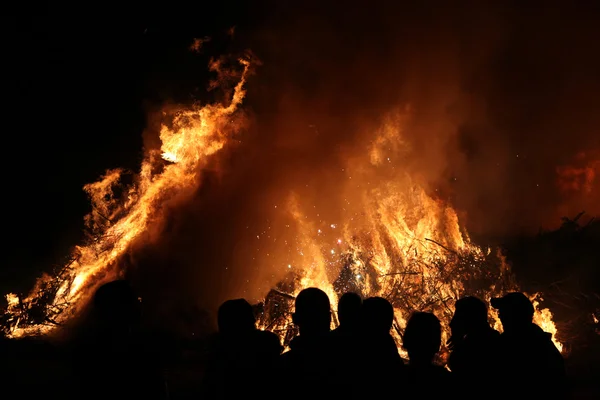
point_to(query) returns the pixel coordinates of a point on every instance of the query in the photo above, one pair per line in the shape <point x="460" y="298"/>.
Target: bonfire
<point x="393" y="238"/>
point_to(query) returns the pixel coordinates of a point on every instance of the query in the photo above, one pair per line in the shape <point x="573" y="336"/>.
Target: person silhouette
<point x="530" y="363"/>
<point x="113" y="359"/>
<point x="345" y="341"/>
<point x="345" y="335"/>
<point x="306" y="369"/>
<point x="379" y="352"/>
<point x="422" y="340"/>
<point x="241" y="355"/>
<point x="474" y="346"/>
<point x="349" y="313"/>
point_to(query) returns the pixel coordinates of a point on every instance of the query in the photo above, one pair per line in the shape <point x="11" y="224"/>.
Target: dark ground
<point x="568" y="256"/>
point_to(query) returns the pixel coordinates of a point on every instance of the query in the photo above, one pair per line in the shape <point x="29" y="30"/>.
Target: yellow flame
<point x="188" y="141"/>
<point x="543" y="318"/>
<point x="392" y="240"/>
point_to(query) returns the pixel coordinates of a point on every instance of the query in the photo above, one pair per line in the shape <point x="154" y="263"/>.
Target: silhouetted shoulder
<point x="430" y="371"/>
<point x="431" y="381"/>
<point x="269" y="341"/>
<point x="286" y="358"/>
<point x="442" y="372"/>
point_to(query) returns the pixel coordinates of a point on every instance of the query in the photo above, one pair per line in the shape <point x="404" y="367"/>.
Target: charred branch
<point x="441" y="245"/>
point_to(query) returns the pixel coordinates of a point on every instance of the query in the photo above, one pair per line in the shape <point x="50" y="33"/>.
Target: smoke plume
<point x="491" y="108"/>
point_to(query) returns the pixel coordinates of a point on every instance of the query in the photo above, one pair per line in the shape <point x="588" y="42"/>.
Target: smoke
<point x="493" y="103"/>
<point x="501" y="96"/>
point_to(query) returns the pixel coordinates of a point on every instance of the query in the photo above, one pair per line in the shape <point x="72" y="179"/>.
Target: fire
<point x="391" y="239"/>
<point x="543" y="318"/>
<point x="577" y="182"/>
<point x="582" y="175"/>
<point x="117" y="221"/>
<point x="388" y="235"/>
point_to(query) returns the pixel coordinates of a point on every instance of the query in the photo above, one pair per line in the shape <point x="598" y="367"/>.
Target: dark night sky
<point x="76" y="91"/>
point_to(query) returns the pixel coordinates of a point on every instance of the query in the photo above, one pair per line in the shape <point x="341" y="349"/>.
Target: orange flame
<point x="390" y="239"/>
<point x="188" y="142"/>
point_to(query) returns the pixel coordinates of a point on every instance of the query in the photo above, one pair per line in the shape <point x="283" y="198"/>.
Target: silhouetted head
<point x="422" y="337"/>
<point x="378" y="315"/>
<point x="312" y="312"/>
<point x="349" y="308"/>
<point x="235" y="316"/>
<point x="514" y="309"/>
<point x="117" y="303"/>
<point x="470" y="314"/>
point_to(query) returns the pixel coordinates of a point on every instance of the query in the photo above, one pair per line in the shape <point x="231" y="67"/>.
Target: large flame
<point x="390" y="237"/>
<point x="188" y="142"/>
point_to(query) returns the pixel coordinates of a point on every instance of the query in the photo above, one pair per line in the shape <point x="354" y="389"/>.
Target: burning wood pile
<point x="42" y="308"/>
<point x="421" y="285"/>
<point x="388" y="236"/>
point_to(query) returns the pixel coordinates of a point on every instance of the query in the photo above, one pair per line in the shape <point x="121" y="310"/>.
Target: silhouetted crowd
<point x="358" y="359"/>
